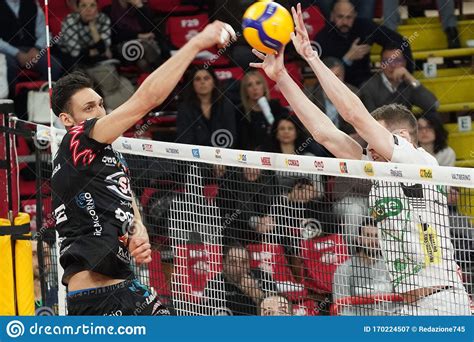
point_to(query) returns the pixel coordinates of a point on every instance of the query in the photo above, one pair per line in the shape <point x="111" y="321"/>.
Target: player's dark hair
<point x="397" y="116"/>
<point x="65" y="88"/>
<point x="441" y="134"/>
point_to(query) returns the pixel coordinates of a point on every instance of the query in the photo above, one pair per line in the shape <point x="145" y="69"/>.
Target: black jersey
<point x="92" y="205"/>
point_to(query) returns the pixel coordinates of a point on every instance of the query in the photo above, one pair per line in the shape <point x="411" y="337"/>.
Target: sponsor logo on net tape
<point x="319" y="165"/>
<point x="147" y="147"/>
<point x="171" y="150"/>
<point x="343" y="167"/>
<point x="266" y="161"/>
<point x="292" y="162"/>
<point x="242" y="158"/>
<point x="395" y="172"/>
<point x="426" y="173"/>
<point x="460" y="177"/>
<point x="369" y="169"/>
<point x="196" y="153"/>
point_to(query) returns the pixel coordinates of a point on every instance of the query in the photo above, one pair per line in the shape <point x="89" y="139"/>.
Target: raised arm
<point x="157" y="87"/>
<point x="318" y="124"/>
<point x="348" y="104"/>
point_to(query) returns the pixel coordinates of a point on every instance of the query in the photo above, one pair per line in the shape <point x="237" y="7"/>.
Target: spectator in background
<point x="206" y="117"/>
<point x="276" y="306"/>
<point x="242" y="291"/>
<point x="3" y="77"/>
<point x="365" y="8"/>
<point x="254" y="125"/>
<point x="286" y="138"/>
<point x="245" y="213"/>
<point x="23" y="40"/>
<point x="391" y="16"/>
<point x="85" y="43"/>
<point x="133" y="37"/>
<point x="319" y="98"/>
<point x="433" y="137"/>
<point x="350" y="38"/>
<point x="395" y="84"/>
<point x="364" y="274"/>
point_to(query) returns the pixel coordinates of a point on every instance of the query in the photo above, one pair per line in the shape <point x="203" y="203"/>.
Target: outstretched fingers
<point x="256" y="65"/>
<point x="259" y="54"/>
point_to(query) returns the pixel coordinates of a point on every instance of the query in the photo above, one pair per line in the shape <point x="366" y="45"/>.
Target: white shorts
<point x="450" y="302"/>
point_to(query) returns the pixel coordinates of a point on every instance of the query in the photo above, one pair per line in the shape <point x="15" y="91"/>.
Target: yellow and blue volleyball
<point x="267" y="26"/>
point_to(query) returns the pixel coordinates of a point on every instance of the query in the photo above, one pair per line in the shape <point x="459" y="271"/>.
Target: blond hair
<point x="243" y="89"/>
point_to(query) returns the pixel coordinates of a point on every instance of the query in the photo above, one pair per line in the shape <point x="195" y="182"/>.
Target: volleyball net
<point x="253" y="233"/>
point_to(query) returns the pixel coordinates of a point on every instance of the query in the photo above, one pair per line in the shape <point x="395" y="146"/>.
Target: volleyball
<point x="267" y="26"/>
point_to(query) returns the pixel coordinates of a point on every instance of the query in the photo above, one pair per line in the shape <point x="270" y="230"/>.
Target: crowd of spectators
<point x="257" y="206"/>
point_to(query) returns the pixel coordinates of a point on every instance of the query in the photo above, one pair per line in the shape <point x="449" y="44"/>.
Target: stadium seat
<point x="460" y="142"/>
<point x="271" y="258"/>
<point x="157" y="276"/>
<point x="429" y="40"/>
<point x="171" y="6"/>
<point x="27" y="86"/>
<point x="58" y="10"/>
<point x="194" y="266"/>
<point x="180" y="29"/>
<point x="444" y="72"/>
<point x="104" y="3"/>
<point x="29" y="206"/>
<point x="454" y="93"/>
<point x="233" y="73"/>
<point x="321" y="257"/>
<point x="313" y="20"/>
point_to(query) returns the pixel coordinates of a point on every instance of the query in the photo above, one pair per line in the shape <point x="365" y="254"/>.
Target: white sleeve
<point x="404" y="152"/>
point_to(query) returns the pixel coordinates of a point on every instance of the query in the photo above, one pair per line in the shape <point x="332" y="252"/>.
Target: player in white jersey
<point x="412" y="218"/>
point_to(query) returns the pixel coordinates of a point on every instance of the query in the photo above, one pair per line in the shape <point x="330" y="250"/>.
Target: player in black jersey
<point x="98" y="221"/>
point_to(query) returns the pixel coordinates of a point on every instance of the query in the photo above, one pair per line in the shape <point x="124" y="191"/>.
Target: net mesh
<point x="250" y="233"/>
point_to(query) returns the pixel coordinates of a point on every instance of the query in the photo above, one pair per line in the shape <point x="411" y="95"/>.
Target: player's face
<point x="286" y="132"/>
<point x="84" y="104"/>
<point x="343" y="16"/>
<point x="88" y="10"/>
<point x="426" y="133"/>
<point x="203" y="83"/>
<point x="255" y="88"/>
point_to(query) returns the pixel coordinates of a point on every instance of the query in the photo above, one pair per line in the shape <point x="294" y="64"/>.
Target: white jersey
<point x="413" y="226"/>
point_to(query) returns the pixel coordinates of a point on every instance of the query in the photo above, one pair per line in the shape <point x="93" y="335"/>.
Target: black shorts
<point x="128" y="298"/>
